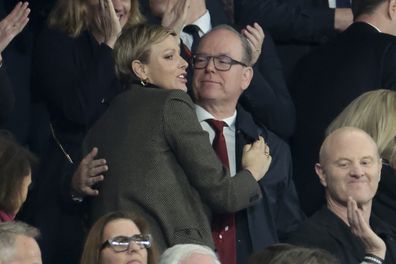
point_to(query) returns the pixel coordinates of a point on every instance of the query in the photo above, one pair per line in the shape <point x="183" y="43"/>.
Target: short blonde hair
<point x="72" y="16"/>
<point x="375" y="113"/>
<point x="135" y="44"/>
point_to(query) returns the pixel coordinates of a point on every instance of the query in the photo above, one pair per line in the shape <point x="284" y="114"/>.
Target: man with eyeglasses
<point x="268" y="98"/>
<point x="222" y="72"/>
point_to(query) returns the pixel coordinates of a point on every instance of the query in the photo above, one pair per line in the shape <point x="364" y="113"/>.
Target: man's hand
<point x="373" y="244"/>
<point x="88" y="173"/>
<point x="255" y="35"/>
<point x="175" y="15"/>
<point x="343" y="18"/>
<point x="13" y="24"/>
<point x="256" y="158"/>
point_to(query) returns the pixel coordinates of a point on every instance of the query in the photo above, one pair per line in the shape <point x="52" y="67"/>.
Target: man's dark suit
<point x="163" y="167"/>
<point x="278" y="213"/>
<point x="296" y="25"/>
<point x="326" y="81"/>
<point x="327" y="231"/>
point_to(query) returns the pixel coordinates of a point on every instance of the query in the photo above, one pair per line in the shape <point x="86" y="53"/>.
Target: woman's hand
<point x="107" y="25"/>
<point x="13" y="24"/>
<point x="175" y="15"/>
<point x="88" y="173"/>
<point x="255" y="35"/>
<point x="256" y="158"/>
<point x="373" y="244"/>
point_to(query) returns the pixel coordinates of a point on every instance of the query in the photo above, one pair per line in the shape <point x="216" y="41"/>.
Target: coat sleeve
<point x="200" y="163"/>
<point x="267" y="97"/>
<point x="288" y="21"/>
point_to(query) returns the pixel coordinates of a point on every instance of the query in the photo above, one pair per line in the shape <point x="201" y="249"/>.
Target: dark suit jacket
<point x="296" y="25"/>
<point x="325" y="230"/>
<point x="384" y="205"/>
<point x="6" y="96"/>
<point x="163" y="167"/>
<point x="326" y="81"/>
<point x="278" y="213"/>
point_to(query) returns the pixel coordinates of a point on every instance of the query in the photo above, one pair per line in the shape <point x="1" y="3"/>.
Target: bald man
<point x="349" y="169"/>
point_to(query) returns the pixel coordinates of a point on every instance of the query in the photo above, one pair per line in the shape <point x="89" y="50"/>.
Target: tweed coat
<point x="162" y="167"/>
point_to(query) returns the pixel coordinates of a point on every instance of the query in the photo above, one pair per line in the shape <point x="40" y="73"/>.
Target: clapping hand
<point x="373" y="244"/>
<point x="13" y="24"/>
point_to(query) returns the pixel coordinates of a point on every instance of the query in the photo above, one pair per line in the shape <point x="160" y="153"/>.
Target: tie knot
<point x="191" y="29"/>
<point x="217" y="125"/>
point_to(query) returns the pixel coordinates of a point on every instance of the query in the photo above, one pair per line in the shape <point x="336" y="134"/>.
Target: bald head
<point x="344" y="136"/>
<point x="349" y="166"/>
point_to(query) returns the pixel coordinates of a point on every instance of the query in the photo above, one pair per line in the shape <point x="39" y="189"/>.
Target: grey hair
<point x="247" y="54"/>
<point x="8" y="233"/>
<point x="178" y="253"/>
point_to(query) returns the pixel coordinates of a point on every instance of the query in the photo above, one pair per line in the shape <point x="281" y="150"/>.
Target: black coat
<point x="6" y="96"/>
<point x="384" y="205"/>
<point x="325" y="82"/>
<point x="278" y="213"/>
<point x="326" y="231"/>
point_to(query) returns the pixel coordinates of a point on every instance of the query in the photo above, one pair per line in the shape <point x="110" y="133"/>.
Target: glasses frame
<point x="143" y="241"/>
<point x="215" y="58"/>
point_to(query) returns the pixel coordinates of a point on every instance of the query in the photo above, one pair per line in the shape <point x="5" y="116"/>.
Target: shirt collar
<point x="203" y="23"/>
<point x="374" y="27"/>
<point x="203" y="115"/>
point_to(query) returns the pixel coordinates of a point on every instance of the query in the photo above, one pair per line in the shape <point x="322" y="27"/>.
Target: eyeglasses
<point x="122" y="243"/>
<point x="221" y="63"/>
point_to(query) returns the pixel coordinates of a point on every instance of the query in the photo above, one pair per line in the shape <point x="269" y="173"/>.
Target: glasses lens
<point x="222" y="63"/>
<point x="120" y="243"/>
<point x="144" y="241"/>
<point x="200" y="61"/>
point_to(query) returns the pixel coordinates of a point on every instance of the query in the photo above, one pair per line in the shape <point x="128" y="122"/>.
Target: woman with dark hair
<point x="119" y="237"/>
<point x="15" y="176"/>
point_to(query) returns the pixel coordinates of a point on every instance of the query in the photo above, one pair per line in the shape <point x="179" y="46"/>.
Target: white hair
<point x="178" y="253"/>
<point x="8" y="233"/>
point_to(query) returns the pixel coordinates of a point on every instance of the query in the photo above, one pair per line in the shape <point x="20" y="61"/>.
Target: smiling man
<point x="350" y="170"/>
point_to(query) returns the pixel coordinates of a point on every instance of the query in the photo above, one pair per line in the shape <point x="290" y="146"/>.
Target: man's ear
<point x="247" y="76"/>
<point x="321" y="174"/>
<point x="391" y="9"/>
<point x="139" y="69"/>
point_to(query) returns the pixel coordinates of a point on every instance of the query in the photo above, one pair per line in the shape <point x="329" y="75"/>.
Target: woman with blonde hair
<point x="161" y="163"/>
<point x="375" y="113"/>
<point x="73" y="75"/>
<point x="119" y="237"/>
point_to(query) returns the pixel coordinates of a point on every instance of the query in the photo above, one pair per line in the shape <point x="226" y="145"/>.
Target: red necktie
<point x="223" y="226"/>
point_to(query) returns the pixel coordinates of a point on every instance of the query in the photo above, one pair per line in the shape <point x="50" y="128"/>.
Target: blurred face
<point x="122" y="8"/>
<point x="27" y="251"/>
<point x="212" y="85"/>
<point x="158" y="7"/>
<point x="198" y="258"/>
<point x="350" y="167"/>
<point x="166" y="68"/>
<point x="134" y="255"/>
<point x="27" y="180"/>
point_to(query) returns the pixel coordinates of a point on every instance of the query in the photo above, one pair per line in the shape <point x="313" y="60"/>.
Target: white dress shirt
<point x="229" y="133"/>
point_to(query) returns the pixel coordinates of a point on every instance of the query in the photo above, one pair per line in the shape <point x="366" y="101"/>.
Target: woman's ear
<point x="139" y="69"/>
